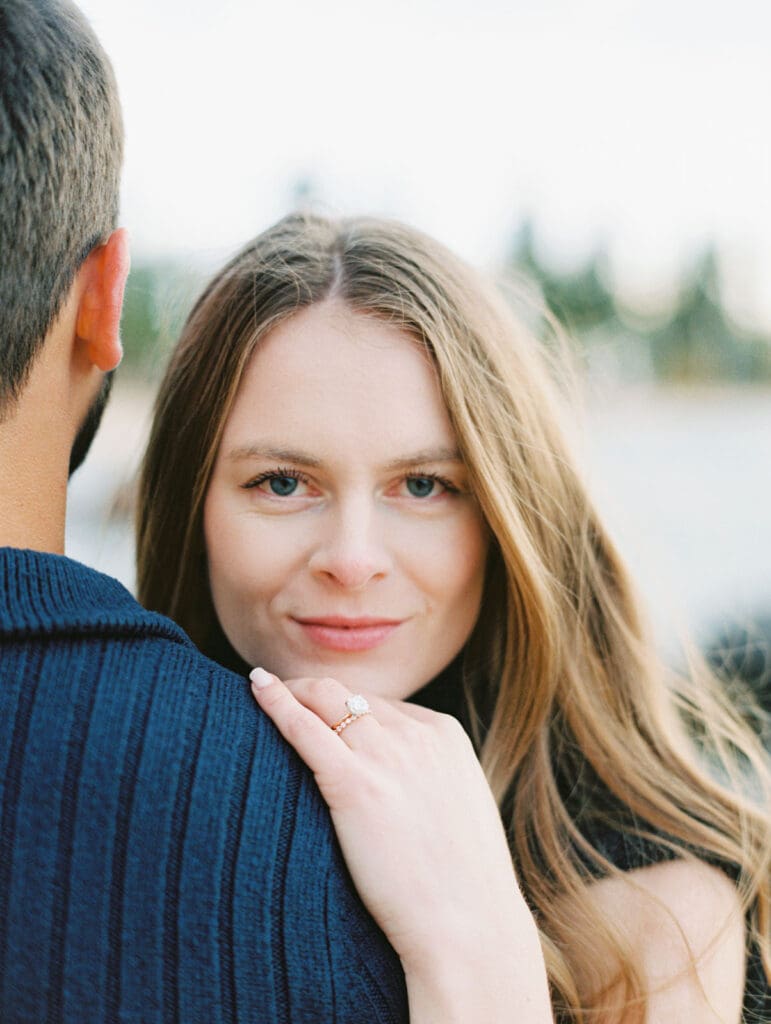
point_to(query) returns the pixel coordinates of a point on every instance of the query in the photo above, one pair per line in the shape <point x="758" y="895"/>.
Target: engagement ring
<point x="357" y="706"/>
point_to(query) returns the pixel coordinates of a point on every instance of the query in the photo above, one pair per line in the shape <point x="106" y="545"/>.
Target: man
<point x="163" y="855"/>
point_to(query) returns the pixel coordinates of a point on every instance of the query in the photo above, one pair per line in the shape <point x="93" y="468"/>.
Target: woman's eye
<point x="421" y="486"/>
<point x="278" y="484"/>
<point x="282" y="486"/>
<point x="428" y="486"/>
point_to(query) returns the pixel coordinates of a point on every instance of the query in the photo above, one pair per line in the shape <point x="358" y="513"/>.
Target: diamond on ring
<point x="358" y="705"/>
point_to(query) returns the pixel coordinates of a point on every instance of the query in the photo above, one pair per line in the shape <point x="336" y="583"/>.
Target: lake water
<point x="683" y="479"/>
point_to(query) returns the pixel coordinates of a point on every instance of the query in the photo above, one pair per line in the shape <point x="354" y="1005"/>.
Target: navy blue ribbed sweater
<point x="164" y="856"/>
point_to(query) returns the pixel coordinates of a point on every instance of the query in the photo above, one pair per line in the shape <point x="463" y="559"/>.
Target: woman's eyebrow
<point x="259" y="451"/>
<point x="425" y="455"/>
<point x="278" y="454"/>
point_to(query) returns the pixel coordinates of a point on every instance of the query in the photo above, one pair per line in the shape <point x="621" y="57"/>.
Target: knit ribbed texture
<point x="164" y="856"/>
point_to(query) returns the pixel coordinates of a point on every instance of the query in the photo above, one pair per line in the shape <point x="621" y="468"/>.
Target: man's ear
<point x="104" y="276"/>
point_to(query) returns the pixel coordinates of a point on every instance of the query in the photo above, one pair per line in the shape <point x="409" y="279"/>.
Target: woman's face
<point x="341" y="536"/>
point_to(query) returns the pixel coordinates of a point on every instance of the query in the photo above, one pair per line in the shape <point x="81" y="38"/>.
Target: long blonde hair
<point x="580" y="728"/>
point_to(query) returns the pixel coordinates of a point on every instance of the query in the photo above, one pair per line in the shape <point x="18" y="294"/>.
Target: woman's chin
<point x="357" y="678"/>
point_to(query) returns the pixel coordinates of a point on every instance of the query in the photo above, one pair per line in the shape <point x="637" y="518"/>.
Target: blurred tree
<point x="697" y="342"/>
<point x="581" y="300"/>
<point x="158" y="298"/>
<point x="700" y="341"/>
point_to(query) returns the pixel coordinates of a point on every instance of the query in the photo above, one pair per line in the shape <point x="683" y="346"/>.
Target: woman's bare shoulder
<point x="684" y="923"/>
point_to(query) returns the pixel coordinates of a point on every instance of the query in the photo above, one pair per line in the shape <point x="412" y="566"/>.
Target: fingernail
<point x="260" y="678"/>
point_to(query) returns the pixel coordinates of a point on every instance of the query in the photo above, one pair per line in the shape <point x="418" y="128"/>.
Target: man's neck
<point x="15" y="531"/>
<point x="34" y="465"/>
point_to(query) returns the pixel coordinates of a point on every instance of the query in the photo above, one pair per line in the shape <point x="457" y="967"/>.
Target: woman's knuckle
<point x="320" y="687"/>
<point x="272" y="697"/>
<point x="451" y="727"/>
<point x="297" y="726"/>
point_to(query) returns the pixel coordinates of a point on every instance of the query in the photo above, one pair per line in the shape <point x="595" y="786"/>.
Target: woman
<point x="357" y="481"/>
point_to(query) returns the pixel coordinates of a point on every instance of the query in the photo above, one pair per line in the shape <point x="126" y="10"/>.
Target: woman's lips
<point x="336" y="633"/>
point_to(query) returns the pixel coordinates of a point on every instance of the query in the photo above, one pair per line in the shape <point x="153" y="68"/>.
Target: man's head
<point x="61" y="144"/>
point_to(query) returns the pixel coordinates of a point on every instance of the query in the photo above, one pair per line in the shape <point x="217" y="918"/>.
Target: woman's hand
<point x="423" y="840"/>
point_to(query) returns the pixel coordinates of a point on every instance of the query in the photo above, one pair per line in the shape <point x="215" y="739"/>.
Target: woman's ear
<point x="104" y="276"/>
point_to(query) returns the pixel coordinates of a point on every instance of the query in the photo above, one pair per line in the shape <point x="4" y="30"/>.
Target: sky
<point x="642" y="127"/>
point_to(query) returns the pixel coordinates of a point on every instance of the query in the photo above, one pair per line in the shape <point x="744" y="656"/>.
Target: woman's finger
<point x="338" y="707"/>
<point x="300" y="726"/>
<point x="327" y="695"/>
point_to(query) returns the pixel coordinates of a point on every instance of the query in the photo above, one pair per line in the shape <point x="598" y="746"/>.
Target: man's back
<point x="163" y="855"/>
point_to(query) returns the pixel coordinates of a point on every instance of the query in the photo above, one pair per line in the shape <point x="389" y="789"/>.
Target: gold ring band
<point x="358" y="706"/>
<point x="344" y="723"/>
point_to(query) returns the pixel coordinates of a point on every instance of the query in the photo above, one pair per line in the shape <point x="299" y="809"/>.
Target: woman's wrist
<point x="484" y="971"/>
<point x="491" y="986"/>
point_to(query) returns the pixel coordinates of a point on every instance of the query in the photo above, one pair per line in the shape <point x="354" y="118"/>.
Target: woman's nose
<point x="352" y="552"/>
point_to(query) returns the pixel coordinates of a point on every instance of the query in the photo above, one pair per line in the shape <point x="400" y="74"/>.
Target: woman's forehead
<point x="329" y="376"/>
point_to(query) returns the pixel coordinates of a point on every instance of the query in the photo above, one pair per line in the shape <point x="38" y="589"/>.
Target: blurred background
<point x="613" y="155"/>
